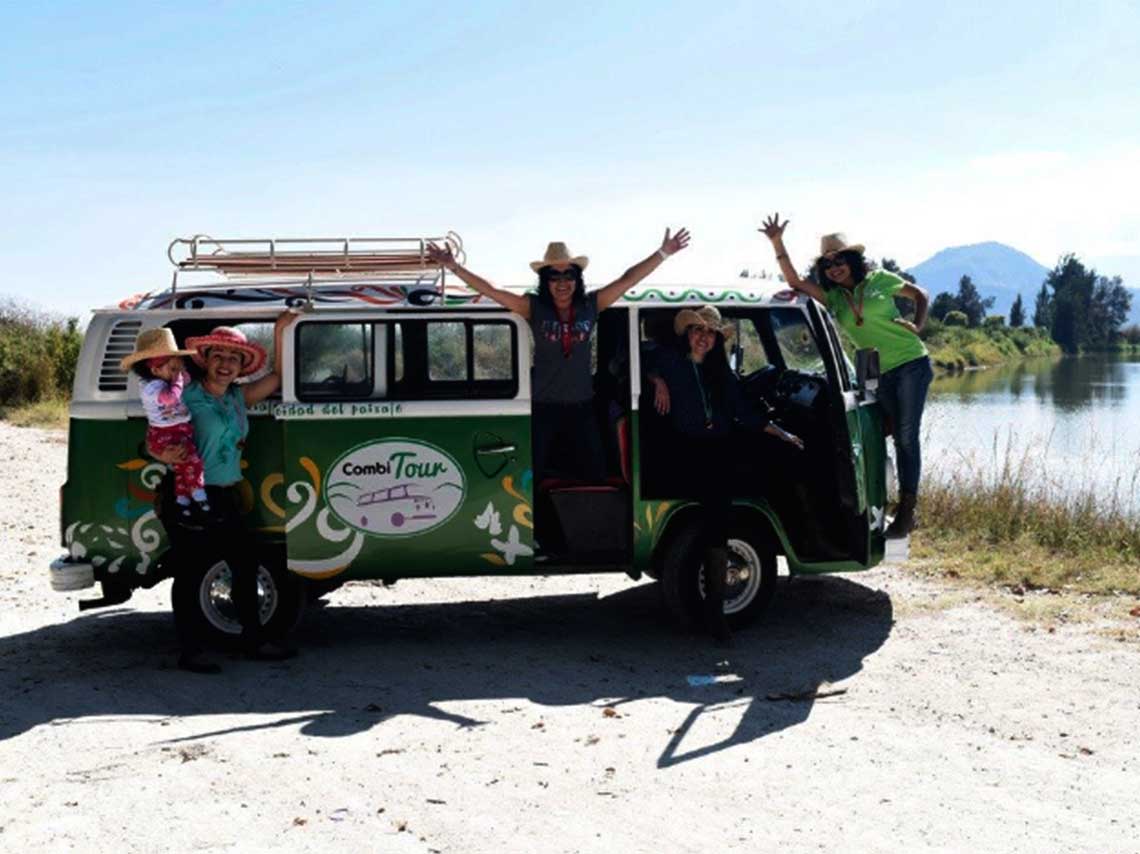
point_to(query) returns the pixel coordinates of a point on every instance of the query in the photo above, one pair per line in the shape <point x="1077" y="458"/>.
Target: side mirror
<point x="867" y="370"/>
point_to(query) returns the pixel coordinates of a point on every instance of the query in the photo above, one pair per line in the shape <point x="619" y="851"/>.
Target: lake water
<point x="1073" y="422"/>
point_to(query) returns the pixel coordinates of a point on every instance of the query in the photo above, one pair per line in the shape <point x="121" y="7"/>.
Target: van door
<point x="863" y="443"/>
<point x="407" y="445"/>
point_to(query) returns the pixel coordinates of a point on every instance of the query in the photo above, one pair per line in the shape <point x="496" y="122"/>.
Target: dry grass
<point x="1047" y="552"/>
<point x="50" y="413"/>
<point x="1002" y="522"/>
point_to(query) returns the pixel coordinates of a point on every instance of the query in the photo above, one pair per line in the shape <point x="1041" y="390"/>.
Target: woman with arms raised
<point x="862" y="302"/>
<point x="562" y="318"/>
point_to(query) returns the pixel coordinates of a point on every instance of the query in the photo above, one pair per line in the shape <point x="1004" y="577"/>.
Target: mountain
<point x="998" y="271"/>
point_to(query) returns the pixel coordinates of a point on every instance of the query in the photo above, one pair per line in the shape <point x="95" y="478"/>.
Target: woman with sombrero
<point x="218" y="412"/>
<point x="695" y="387"/>
<point x="862" y="301"/>
<point x="562" y="318"/>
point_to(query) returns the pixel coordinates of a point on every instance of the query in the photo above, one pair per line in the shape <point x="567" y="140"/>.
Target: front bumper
<point x="68" y="575"/>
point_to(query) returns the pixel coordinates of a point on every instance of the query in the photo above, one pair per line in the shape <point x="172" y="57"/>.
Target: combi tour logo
<point x="395" y="487"/>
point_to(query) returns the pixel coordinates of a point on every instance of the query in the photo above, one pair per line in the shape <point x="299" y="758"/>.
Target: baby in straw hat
<point x="157" y="362"/>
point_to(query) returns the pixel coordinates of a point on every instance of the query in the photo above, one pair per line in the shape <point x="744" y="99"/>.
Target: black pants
<point x="703" y="466"/>
<point x="225" y="538"/>
<point x="566" y="442"/>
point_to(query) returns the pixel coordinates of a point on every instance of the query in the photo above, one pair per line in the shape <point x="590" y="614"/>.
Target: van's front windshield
<point x="797" y="344"/>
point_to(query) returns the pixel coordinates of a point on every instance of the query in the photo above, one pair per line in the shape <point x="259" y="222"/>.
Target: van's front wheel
<point x="204" y="607"/>
<point x="749" y="587"/>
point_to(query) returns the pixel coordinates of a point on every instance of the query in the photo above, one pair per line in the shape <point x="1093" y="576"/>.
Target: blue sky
<point x="912" y="127"/>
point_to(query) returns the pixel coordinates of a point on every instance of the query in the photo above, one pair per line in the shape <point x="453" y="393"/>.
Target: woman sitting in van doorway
<point x="696" y="388"/>
<point x="218" y="413"/>
<point x="861" y="300"/>
<point x="562" y="319"/>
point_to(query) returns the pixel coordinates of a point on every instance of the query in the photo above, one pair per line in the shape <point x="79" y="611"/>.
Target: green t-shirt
<point x="896" y="344"/>
<point x="220" y="428"/>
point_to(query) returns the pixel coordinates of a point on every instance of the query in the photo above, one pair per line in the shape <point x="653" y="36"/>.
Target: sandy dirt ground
<point x="554" y="715"/>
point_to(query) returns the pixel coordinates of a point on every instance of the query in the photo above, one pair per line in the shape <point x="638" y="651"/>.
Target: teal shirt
<point x="896" y="344"/>
<point x="220" y="425"/>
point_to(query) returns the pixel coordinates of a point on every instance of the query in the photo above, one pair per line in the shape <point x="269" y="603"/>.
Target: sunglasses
<point x="828" y="263"/>
<point x="561" y="276"/>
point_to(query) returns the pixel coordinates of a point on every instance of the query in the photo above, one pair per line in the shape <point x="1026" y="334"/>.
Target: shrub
<point x="38" y="354"/>
<point x="994" y="320"/>
<point x="956" y="318"/>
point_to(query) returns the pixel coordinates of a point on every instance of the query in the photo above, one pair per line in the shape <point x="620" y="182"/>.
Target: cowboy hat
<point x="557" y="253"/>
<point x="154" y="344"/>
<point x="253" y="355"/>
<point x="833" y="244"/>
<point x="706" y="315"/>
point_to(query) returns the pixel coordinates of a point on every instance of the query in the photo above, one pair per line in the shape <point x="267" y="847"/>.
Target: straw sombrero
<point x="833" y="244"/>
<point x="557" y="253"/>
<point x="253" y="355"/>
<point x="706" y="315"/>
<point x="154" y="344"/>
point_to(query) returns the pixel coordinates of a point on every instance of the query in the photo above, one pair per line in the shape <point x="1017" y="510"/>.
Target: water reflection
<point x="1074" y="419"/>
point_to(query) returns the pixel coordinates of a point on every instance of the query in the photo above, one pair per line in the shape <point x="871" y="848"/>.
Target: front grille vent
<point x="120" y="343"/>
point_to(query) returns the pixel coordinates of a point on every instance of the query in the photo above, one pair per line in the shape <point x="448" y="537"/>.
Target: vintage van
<point x="399" y="446"/>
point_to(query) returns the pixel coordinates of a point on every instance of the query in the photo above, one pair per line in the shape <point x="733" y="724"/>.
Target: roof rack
<point x="250" y="262"/>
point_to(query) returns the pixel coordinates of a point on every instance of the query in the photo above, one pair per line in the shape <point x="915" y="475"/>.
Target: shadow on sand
<point x="361" y="666"/>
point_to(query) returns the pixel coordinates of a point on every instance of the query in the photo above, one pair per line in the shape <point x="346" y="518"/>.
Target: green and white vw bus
<point x="399" y="446"/>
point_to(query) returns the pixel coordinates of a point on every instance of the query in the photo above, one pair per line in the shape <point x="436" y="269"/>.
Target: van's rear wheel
<point x="204" y="608"/>
<point x="749" y="587"/>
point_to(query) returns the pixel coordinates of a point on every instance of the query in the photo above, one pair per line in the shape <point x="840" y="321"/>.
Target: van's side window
<point x="334" y="361"/>
<point x="452" y="359"/>
<point x="493" y="352"/>
<point x="447" y="351"/>
<point x="748" y="350"/>
<point x="258" y="331"/>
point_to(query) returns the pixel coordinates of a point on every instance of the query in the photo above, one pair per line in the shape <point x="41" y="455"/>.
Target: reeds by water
<point x="1004" y="519"/>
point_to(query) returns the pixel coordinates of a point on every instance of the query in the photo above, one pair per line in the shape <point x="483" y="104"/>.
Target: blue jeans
<point x="902" y="391"/>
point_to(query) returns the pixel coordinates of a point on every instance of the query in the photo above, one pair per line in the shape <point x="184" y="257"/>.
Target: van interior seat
<point x="611" y="484"/>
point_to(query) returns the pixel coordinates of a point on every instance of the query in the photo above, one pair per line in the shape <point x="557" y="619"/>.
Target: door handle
<point x="496" y="449"/>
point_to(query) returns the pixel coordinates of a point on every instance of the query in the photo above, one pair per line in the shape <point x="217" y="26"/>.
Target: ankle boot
<point x="716" y="568"/>
<point x="905" y="519"/>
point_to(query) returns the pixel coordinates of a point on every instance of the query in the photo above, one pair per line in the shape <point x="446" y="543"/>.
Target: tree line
<point x="1081" y="308"/>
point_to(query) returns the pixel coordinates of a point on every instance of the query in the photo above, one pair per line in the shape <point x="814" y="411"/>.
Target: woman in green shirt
<point x="862" y="301"/>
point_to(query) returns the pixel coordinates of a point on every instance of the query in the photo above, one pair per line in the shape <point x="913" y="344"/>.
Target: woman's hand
<point x="441" y="255"/>
<point x="773" y="228"/>
<point x="171" y="456"/>
<point x="284" y="319"/>
<point x="906" y="324"/>
<point x="660" y="396"/>
<point x="784" y="436"/>
<point x="674" y="244"/>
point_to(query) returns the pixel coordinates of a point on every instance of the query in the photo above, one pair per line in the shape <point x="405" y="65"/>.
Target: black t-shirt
<point x="561" y="371"/>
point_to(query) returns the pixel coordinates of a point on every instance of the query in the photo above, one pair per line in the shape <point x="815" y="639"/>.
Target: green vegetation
<point x="1076" y="308"/>
<point x="955" y="347"/>
<point x="37" y="364"/>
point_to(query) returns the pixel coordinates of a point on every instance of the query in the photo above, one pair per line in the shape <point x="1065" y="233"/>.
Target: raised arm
<point x="517" y="303"/>
<point x="612" y="292"/>
<point x="774" y="229"/>
<point x="258" y="390"/>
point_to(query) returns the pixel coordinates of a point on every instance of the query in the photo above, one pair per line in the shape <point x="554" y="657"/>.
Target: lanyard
<point x="856" y="310"/>
<point x="704" y="397"/>
<point x="566" y="329"/>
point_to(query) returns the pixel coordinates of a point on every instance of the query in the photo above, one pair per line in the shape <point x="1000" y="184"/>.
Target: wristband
<point x="663" y="254"/>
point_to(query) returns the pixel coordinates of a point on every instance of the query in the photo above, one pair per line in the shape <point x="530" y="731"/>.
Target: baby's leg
<point x="189" y="482"/>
